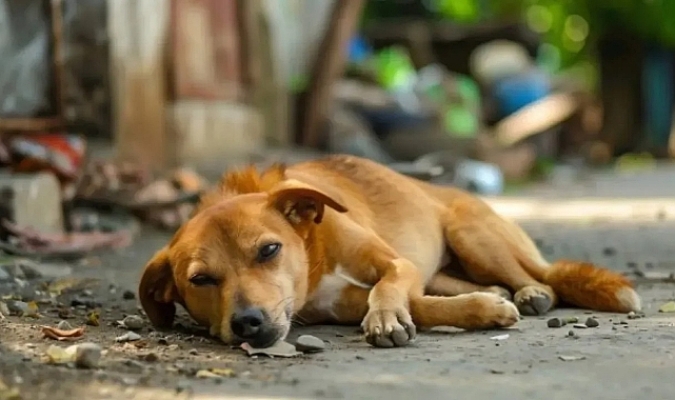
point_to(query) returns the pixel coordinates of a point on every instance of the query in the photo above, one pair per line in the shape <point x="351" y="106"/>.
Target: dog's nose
<point x="247" y="323"/>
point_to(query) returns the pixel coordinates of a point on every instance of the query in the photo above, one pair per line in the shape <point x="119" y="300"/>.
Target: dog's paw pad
<point x="533" y="301"/>
<point x="388" y="328"/>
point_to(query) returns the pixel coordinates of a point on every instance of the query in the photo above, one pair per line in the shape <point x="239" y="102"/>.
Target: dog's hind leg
<point x="489" y="259"/>
<point x="445" y="285"/>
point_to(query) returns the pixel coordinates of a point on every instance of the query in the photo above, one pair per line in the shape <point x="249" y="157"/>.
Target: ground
<point x="622" y="358"/>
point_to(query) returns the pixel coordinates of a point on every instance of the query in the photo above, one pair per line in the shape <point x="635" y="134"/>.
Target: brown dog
<point x="346" y="240"/>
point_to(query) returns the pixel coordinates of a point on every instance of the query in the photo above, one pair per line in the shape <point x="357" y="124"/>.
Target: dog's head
<point x="240" y="265"/>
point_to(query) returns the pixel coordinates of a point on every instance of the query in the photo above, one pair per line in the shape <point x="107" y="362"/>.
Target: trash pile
<point x="56" y="203"/>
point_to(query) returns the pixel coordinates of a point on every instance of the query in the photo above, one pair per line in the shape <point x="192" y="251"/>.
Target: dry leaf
<point x="69" y="335"/>
<point x="93" y="318"/>
<point x="279" y="349"/>
<point x="60" y="286"/>
<point x="668" y="307"/>
<point x="226" y="372"/>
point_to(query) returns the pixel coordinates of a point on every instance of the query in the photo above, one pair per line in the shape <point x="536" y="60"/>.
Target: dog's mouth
<point x="271" y="334"/>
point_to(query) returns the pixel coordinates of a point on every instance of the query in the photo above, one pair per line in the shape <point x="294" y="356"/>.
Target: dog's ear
<point x="157" y="291"/>
<point x="300" y="203"/>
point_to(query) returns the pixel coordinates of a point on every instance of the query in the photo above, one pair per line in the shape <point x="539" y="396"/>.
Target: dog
<point x="345" y="240"/>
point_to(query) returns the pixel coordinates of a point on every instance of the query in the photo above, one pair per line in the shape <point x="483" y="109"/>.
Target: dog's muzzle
<point x="253" y="325"/>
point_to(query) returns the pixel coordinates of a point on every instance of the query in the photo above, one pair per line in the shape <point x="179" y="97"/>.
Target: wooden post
<point x="138" y="32"/>
<point x="328" y="66"/>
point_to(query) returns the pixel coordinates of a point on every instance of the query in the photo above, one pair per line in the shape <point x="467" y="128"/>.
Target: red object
<point x="62" y="154"/>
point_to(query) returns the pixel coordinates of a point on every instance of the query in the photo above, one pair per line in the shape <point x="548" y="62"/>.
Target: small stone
<point x="633" y="315"/>
<point x="64" y="326"/>
<point x="579" y="326"/>
<point x="86" y="303"/>
<point x="309" y="344"/>
<point x="556" y="323"/>
<point x="87" y="355"/>
<point x="128" y="337"/>
<point x="128" y="295"/>
<point x="133" y="322"/>
<point x="500" y="337"/>
<point x="193" y="352"/>
<point x="17" y="307"/>
<point x="151" y="357"/>
<point x="571" y="333"/>
<point x="592" y="322"/>
<point x="571" y="320"/>
<point x="609" y="251"/>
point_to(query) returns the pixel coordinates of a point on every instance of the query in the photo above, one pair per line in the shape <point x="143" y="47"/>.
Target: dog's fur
<point x="360" y="243"/>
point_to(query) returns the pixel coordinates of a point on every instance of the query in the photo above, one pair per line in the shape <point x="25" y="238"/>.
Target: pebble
<point x="556" y="323"/>
<point x="571" y="333"/>
<point x="580" y="326"/>
<point x="128" y="295"/>
<point x="128" y="337"/>
<point x="86" y="303"/>
<point x="633" y="315"/>
<point x="193" y="352"/>
<point x="133" y="322"/>
<point x="309" y="344"/>
<point x="64" y="325"/>
<point x="592" y="322"/>
<point x="151" y="357"/>
<point x="87" y="355"/>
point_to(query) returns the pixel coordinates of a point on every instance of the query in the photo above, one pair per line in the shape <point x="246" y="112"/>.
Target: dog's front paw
<point x="388" y="328"/>
<point x="489" y="310"/>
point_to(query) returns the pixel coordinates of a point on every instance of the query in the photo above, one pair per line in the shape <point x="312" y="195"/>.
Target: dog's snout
<point x="247" y="323"/>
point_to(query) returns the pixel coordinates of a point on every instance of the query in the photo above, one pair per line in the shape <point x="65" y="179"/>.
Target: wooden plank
<point x="206" y="49"/>
<point x="328" y="66"/>
<point x="138" y="31"/>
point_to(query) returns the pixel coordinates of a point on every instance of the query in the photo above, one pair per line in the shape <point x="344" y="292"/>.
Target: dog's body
<point x="346" y="240"/>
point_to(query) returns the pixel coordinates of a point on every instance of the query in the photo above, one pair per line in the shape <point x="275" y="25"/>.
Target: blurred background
<point x="111" y="97"/>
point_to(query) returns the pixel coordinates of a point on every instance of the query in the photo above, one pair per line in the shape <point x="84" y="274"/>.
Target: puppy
<point x="346" y="240"/>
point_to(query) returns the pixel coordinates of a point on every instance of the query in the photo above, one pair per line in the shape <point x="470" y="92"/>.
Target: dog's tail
<point x="588" y="286"/>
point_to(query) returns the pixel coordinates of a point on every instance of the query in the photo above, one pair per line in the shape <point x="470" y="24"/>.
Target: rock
<point x="193" y="352"/>
<point x="17" y="307"/>
<point x="592" y="322"/>
<point x="64" y="325"/>
<point x="571" y="333"/>
<point x="609" y="251"/>
<point x="556" y="323"/>
<point x="128" y="295"/>
<point x="87" y="355"/>
<point x="35" y="270"/>
<point x="84" y="302"/>
<point x="633" y="315"/>
<point x="309" y="344"/>
<point x="500" y="337"/>
<point x="128" y="337"/>
<point x="151" y="357"/>
<point x="4" y="310"/>
<point x="571" y="320"/>
<point x="132" y="322"/>
<point x="579" y="326"/>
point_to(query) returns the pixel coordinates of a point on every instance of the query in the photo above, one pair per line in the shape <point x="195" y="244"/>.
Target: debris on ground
<point x="579" y="326"/>
<point x="668" y="307"/>
<point x="28" y="242"/>
<point x="556" y="322"/>
<point x="500" y="337"/>
<point x="64" y="285"/>
<point x="571" y="358"/>
<point x="128" y="337"/>
<point x="23" y="309"/>
<point x="309" y="344"/>
<point x="60" y="355"/>
<point x="215" y="373"/>
<point x="62" y="335"/>
<point x="93" y="318"/>
<point x="279" y="349"/>
<point x="592" y="322"/>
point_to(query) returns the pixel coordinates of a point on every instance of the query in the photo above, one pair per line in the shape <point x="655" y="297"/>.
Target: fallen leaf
<point x="668" y="307"/>
<point x="280" y="349"/>
<point x="93" y="318"/>
<point x="572" y="358"/>
<point x="205" y="374"/>
<point x="60" y="355"/>
<point x="226" y="372"/>
<point x="69" y="335"/>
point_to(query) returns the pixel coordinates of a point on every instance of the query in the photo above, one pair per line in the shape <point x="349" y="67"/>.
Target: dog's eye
<point x="203" y="280"/>
<point x="268" y="252"/>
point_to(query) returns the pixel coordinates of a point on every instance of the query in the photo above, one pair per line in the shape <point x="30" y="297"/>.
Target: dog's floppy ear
<point x="300" y="203"/>
<point x="157" y="291"/>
